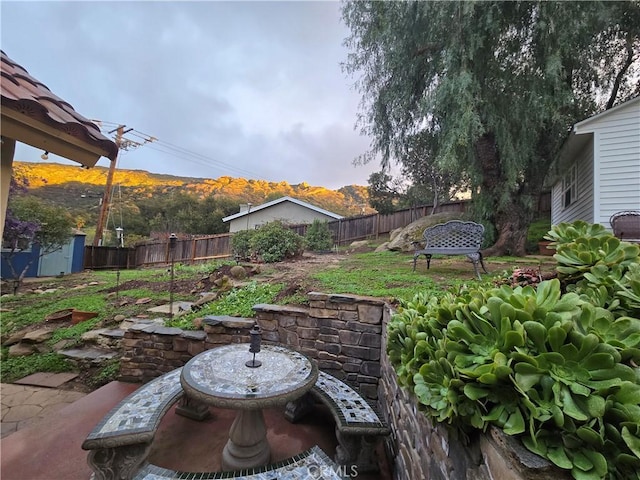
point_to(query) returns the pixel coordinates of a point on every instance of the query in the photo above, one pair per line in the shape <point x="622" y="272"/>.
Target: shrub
<point x="318" y="236"/>
<point x="241" y="244"/>
<point x="274" y="242"/>
<point x="555" y="365"/>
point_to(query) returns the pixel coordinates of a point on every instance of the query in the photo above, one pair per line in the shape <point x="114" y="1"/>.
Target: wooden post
<point x="106" y="199"/>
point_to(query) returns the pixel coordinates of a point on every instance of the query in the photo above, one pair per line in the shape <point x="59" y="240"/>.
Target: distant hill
<point x="78" y="188"/>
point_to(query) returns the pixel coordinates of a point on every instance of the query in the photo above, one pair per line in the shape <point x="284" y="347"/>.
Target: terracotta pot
<point x="78" y="316"/>
<point x="544" y="249"/>
<point x="60" y="315"/>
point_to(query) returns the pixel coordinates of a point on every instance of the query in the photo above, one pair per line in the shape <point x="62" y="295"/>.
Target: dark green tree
<point x="493" y="86"/>
<point x="383" y="195"/>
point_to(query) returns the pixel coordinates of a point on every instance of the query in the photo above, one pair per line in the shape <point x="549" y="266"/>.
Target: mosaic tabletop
<point x="221" y="378"/>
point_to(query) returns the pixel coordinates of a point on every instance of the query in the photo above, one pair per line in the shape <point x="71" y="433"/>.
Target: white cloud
<point x="256" y="88"/>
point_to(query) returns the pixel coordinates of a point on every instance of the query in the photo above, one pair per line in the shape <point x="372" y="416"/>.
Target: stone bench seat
<point x="358" y="425"/>
<point x="452" y="238"/>
<point x="311" y="464"/>
<point x="119" y="445"/>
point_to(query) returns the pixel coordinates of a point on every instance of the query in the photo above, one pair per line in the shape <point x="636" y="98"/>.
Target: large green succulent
<point x="557" y="367"/>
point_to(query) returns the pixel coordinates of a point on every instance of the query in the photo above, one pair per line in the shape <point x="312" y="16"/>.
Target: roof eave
<point x="42" y="136"/>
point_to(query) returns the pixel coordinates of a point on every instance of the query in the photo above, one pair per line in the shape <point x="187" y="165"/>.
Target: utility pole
<point x="104" y="208"/>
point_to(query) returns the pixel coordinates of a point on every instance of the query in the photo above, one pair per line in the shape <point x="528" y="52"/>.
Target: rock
<point x="20" y="350"/>
<point x="197" y="322"/>
<point x="394" y="233"/>
<point x="413" y="231"/>
<point x="92" y="335"/>
<point x="142" y="301"/>
<point x="223" y="283"/>
<point x="62" y="344"/>
<point x="206" y="298"/>
<point x="37" y="336"/>
<point x="42" y="348"/>
<point x="237" y="272"/>
<point x="119" y="318"/>
<point x="382" y="247"/>
<point x="13" y="338"/>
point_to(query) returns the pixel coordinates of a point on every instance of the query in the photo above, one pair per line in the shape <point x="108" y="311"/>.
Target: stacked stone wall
<point x="343" y="333"/>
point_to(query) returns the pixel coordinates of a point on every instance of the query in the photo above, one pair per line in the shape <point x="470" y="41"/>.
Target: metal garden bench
<point x="626" y="225"/>
<point x="452" y="238"/>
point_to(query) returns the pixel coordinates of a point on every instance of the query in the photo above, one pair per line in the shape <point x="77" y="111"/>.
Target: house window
<point x="570" y="187"/>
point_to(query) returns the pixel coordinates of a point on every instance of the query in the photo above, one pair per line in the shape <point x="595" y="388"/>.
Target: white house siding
<point x="287" y="212"/>
<point x="614" y="172"/>
<point x="617" y="139"/>
<point x="581" y="209"/>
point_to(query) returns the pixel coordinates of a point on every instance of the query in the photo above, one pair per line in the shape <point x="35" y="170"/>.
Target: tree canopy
<point x="490" y="89"/>
<point x="31" y="221"/>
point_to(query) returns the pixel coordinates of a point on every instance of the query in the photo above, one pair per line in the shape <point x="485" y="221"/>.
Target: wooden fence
<point x="209" y="247"/>
<point x="97" y="258"/>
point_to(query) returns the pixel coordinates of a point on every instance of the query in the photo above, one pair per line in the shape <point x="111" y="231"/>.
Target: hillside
<point x="76" y="187"/>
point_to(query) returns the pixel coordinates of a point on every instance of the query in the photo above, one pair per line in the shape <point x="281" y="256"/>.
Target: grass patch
<point x="236" y="303"/>
<point x="74" y="331"/>
<point x="389" y="275"/>
<point x="34" y="310"/>
<point x="15" y="368"/>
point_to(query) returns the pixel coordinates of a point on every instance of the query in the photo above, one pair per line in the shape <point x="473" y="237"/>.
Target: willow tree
<point x="494" y="85"/>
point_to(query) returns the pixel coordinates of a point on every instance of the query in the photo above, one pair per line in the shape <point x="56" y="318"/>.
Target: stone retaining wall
<point x="346" y="335"/>
<point x="343" y="333"/>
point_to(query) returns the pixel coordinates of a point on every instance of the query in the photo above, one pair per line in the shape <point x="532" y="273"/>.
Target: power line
<point x="175" y="150"/>
<point x="197" y="158"/>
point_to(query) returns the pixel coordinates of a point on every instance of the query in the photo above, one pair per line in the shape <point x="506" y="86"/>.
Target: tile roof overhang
<point x="32" y="114"/>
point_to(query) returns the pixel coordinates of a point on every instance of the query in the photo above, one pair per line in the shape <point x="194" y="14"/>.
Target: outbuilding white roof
<point x="281" y="200"/>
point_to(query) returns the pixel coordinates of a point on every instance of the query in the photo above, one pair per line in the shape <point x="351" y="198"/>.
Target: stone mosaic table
<point x="220" y="377"/>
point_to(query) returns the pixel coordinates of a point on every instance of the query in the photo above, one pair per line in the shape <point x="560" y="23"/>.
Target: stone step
<point x="94" y="355"/>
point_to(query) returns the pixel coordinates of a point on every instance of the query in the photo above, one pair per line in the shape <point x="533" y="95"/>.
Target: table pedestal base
<point x="247" y="446"/>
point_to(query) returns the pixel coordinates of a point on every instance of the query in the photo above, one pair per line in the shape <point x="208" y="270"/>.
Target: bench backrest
<point x="454" y="235"/>
<point x="626" y="225"/>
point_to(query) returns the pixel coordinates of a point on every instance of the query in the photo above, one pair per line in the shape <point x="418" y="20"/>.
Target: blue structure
<point x="68" y="259"/>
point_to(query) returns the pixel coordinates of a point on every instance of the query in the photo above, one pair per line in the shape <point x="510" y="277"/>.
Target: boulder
<point x="359" y="244"/>
<point x="237" y="272"/>
<point x="413" y="232"/>
<point x="382" y="247"/>
<point x="394" y="233"/>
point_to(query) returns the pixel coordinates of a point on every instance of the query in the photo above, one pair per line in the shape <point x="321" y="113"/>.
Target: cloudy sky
<point x="238" y="88"/>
